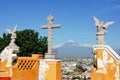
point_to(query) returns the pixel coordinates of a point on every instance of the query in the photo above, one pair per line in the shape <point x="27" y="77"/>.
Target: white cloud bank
<point x="86" y="45"/>
<point x="57" y="46"/>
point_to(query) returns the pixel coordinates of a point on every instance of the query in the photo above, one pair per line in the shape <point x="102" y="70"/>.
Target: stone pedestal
<point x="50" y="69"/>
<point x="50" y="56"/>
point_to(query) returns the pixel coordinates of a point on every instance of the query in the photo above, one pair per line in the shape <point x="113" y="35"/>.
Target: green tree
<point x="28" y="41"/>
<point x="4" y="41"/>
<point x="79" y="69"/>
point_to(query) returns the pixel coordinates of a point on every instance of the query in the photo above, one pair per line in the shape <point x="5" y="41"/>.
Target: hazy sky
<point x="75" y="17"/>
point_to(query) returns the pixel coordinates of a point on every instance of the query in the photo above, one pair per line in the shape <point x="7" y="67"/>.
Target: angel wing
<point x="97" y="22"/>
<point x="108" y="24"/>
<point x="9" y="31"/>
<point x="15" y="28"/>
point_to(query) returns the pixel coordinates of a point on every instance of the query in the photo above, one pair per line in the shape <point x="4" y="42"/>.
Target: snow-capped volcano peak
<point x="70" y="41"/>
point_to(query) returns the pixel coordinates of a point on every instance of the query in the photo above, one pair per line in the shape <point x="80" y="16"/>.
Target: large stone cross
<point x="50" y="26"/>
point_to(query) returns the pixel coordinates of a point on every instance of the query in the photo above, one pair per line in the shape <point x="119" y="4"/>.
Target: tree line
<point x="29" y="42"/>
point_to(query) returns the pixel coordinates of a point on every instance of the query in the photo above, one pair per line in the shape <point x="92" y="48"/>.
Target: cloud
<point x="70" y="41"/>
<point x="57" y="46"/>
<point x="86" y="45"/>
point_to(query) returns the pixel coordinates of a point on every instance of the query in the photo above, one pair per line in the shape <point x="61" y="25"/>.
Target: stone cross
<point x="101" y="26"/>
<point x="50" y="26"/>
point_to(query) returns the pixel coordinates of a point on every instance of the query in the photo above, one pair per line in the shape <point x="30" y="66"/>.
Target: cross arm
<point x="55" y="26"/>
<point x="51" y="26"/>
<point x="44" y="27"/>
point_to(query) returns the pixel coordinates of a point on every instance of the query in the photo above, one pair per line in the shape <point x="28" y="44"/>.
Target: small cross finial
<point x="50" y="19"/>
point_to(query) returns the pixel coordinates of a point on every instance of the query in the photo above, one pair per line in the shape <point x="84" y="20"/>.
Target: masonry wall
<point x="26" y="68"/>
<point x="106" y="65"/>
<point x="4" y="71"/>
<point x="54" y="73"/>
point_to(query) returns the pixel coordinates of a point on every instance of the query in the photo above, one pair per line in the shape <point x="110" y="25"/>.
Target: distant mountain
<point x="70" y="44"/>
<point x="73" y="49"/>
<point x="118" y="51"/>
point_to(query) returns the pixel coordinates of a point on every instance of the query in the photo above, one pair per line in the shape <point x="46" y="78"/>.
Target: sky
<point x="74" y="16"/>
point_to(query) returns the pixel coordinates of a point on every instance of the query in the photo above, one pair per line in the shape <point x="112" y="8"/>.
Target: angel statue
<point x="101" y="26"/>
<point x="13" y="35"/>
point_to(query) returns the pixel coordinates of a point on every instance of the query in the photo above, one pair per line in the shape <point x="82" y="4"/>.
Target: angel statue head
<point x="13" y="35"/>
<point x="101" y="26"/>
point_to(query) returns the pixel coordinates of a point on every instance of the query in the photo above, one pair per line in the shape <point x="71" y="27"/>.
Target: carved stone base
<point x="50" y="56"/>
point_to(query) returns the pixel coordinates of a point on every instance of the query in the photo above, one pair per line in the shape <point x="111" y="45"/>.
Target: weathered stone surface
<point x="101" y="26"/>
<point x="50" y="26"/>
<point x="50" y="56"/>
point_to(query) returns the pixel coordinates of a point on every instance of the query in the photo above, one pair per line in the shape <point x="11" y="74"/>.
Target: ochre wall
<point x="106" y="67"/>
<point x="26" y="68"/>
<point x="54" y="72"/>
<point x="4" y="71"/>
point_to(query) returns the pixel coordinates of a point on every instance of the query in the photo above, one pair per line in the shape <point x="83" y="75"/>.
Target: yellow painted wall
<point x="4" y="71"/>
<point x="106" y="66"/>
<point x="54" y="72"/>
<point x="26" y="68"/>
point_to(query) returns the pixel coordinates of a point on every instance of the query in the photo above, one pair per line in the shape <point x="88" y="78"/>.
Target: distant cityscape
<point x="76" y="68"/>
